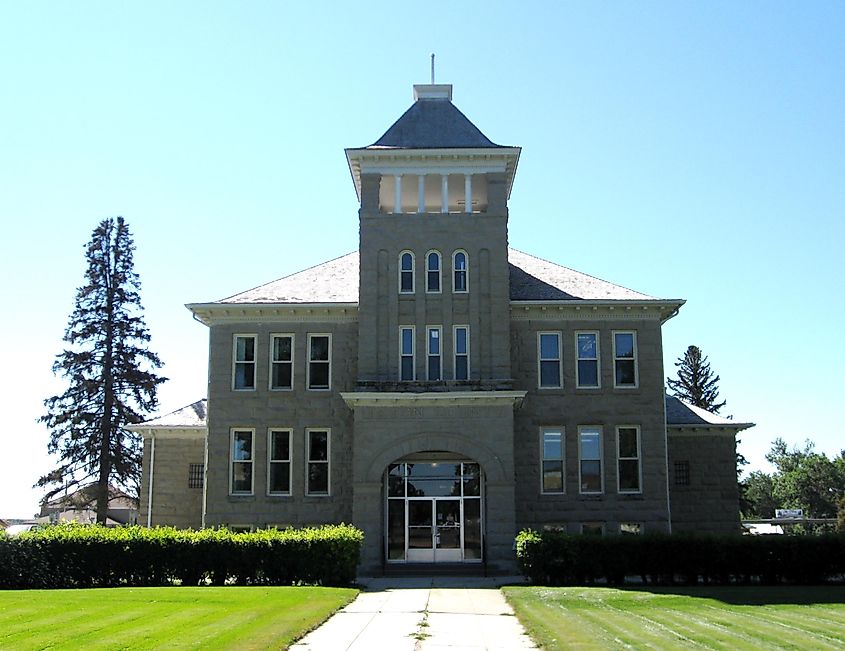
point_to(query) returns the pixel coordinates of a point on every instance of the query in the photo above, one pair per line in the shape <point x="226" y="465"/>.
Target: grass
<point x="164" y="618"/>
<point x="734" y="617"/>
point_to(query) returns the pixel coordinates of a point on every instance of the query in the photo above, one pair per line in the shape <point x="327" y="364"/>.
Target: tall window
<point x="625" y="359"/>
<point x="241" y="456"/>
<point x="319" y="361"/>
<point x="281" y="362"/>
<point x="278" y="461"/>
<point x="434" y="359"/>
<point x="243" y="367"/>
<point x="432" y="272"/>
<point x="590" y="460"/>
<point x="628" y="446"/>
<point x="587" y="369"/>
<point x="553" y="474"/>
<point x="317" y="481"/>
<point x="549" y="359"/>
<point x="461" y="343"/>
<point x="407" y="365"/>
<point x="459" y="266"/>
<point x="406" y="272"/>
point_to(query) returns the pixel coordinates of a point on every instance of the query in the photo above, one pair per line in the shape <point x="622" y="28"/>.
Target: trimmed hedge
<point x="553" y="558"/>
<point x="82" y="556"/>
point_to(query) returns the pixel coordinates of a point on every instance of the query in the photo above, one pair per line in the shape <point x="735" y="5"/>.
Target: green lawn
<point x="781" y="617"/>
<point x="162" y="618"/>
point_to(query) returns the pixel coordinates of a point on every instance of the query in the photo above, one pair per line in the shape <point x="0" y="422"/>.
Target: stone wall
<point x="174" y="502"/>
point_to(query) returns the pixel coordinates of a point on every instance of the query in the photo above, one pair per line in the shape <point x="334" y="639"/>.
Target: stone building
<point x="437" y="388"/>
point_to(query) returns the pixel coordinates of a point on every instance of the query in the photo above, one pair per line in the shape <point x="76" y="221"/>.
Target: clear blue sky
<point x="686" y="150"/>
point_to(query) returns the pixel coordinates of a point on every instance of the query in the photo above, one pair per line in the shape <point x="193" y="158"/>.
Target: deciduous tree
<point x="109" y="371"/>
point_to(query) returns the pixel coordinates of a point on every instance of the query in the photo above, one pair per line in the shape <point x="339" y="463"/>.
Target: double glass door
<point x="434" y="530"/>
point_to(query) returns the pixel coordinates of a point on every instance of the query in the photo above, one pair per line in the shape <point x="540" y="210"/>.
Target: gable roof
<point x="189" y="417"/>
<point x="680" y="413"/>
<point x="531" y="279"/>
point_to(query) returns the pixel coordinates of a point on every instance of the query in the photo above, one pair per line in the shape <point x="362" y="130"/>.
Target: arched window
<point x="432" y="275"/>
<point x="459" y="266"/>
<point x="406" y="272"/>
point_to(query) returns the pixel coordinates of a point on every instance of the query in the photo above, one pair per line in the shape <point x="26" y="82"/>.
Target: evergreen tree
<point x="696" y="383"/>
<point x="109" y="370"/>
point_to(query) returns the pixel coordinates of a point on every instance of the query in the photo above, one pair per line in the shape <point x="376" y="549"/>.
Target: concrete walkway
<point x="423" y="614"/>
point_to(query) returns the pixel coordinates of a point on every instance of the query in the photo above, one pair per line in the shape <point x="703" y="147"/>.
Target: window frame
<point x="194" y="482"/>
<point x="579" y="359"/>
<point x="429" y="356"/>
<point x="235" y="361"/>
<point x="403" y="354"/>
<point x="541" y="359"/>
<point x="270" y="460"/>
<point x="429" y="271"/>
<point x="309" y="462"/>
<point x="456" y="271"/>
<point x="561" y="431"/>
<point x="600" y="526"/>
<point x="311" y="336"/>
<point x="411" y="272"/>
<point x="455" y="354"/>
<point x="681" y="473"/>
<point x="233" y="461"/>
<point x="582" y="429"/>
<point x="273" y="362"/>
<point x="620" y="459"/>
<point x="617" y="359"/>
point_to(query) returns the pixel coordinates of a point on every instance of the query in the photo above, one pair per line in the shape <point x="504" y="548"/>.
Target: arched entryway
<point x="434" y="509"/>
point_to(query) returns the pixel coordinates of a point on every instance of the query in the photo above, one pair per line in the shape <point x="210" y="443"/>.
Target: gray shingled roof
<point x="433" y="124"/>
<point x="532" y="279"/>
<point x="680" y="413"/>
<point x="187" y="417"/>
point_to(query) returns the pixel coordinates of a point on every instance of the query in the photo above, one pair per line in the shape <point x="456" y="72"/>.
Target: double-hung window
<point x="319" y="361"/>
<point x="278" y="461"/>
<point x="628" y="450"/>
<point x="318" y="480"/>
<point x="406" y="272"/>
<point x="281" y="362"/>
<point x="590" y="459"/>
<point x="552" y="442"/>
<point x="243" y="363"/>
<point x="432" y="272"/>
<point x="433" y="347"/>
<point x="407" y="363"/>
<point x="459" y="268"/>
<point x="461" y="343"/>
<point x="549" y="360"/>
<point x="241" y="462"/>
<point x="587" y="368"/>
<point x="625" y="360"/>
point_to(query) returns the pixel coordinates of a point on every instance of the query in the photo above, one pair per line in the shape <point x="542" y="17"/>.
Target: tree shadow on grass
<point x="757" y="595"/>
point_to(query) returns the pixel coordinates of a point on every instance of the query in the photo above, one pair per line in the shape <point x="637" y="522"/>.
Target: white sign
<point x="789" y="513"/>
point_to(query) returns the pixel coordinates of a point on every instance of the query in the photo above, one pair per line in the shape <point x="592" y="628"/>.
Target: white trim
<point x="270" y="460"/>
<point x="273" y="362"/>
<point x="540" y="359"/>
<point x="465" y="271"/>
<point x="250" y="461"/>
<point x="578" y="358"/>
<point x="638" y="458"/>
<point x="220" y="313"/>
<point x="328" y="461"/>
<point x="236" y="361"/>
<point x="412" y="272"/>
<point x="429" y="355"/>
<point x="591" y="429"/>
<point x="428" y="270"/>
<point x="636" y="358"/>
<point x="402" y="353"/>
<point x="455" y="329"/>
<point x="561" y="431"/>
<point x="150" y="492"/>
<point x="309" y="361"/>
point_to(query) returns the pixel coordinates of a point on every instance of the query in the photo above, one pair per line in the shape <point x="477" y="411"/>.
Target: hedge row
<point x="552" y="558"/>
<point x="78" y="556"/>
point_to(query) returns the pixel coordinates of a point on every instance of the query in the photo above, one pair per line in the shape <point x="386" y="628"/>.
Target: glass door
<point x="420" y="538"/>
<point x="448" y="541"/>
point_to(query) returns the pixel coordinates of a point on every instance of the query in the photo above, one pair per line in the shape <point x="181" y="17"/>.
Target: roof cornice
<point x="175" y="432"/>
<point x="697" y="429"/>
<point x="214" y="313"/>
<point x="663" y="309"/>
<point x="433" y="398"/>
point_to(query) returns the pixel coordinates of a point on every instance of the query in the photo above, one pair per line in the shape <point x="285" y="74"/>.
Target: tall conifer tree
<point x="696" y="383"/>
<point x="110" y="375"/>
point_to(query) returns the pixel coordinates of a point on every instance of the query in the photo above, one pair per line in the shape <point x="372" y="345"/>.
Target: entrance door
<point x="434" y="530"/>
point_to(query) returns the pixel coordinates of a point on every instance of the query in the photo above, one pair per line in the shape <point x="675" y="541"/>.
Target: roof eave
<point x="205" y="312"/>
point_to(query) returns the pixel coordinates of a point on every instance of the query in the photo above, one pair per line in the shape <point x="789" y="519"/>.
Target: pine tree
<point x="696" y="383"/>
<point x="109" y="370"/>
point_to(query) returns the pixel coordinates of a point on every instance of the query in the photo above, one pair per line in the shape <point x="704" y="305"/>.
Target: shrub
<point x="81" y="556"/>
<point x="553" y="558"/>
